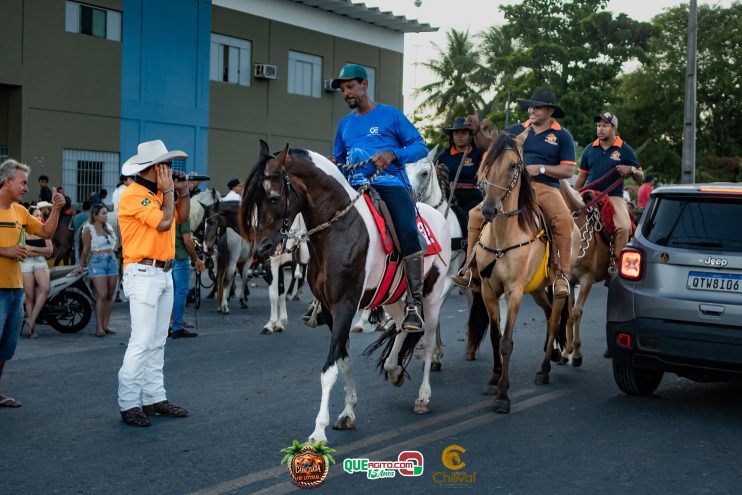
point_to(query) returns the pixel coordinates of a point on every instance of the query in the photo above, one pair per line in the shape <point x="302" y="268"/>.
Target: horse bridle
<point x="520" y="168"/>
<point x="425" y="194"/>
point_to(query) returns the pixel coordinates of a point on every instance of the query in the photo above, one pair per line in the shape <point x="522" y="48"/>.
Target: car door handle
<point x="711" y="310"/>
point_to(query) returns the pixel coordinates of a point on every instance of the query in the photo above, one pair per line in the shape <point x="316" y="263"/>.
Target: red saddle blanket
<point x="606" y="216"/>
<point x="393" y="284"/>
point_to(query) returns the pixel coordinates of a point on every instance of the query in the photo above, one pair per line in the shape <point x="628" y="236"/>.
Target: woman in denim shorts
<point x="98" y="248"/>
<point x="35" y="273"/>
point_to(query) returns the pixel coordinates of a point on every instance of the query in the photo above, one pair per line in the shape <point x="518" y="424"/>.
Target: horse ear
<point x="264" y="149"/>
<point x="202" y="205"/>
<point x="281" y="158"/>
<point x="433" y="152"/>
<point x="521" y="138"/>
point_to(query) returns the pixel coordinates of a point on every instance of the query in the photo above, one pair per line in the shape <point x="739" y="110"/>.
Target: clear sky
<point x="477" y="15"/>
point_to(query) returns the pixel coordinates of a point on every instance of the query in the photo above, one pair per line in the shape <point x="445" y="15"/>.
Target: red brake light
<point x="631" y="265"/>
<point x="624" y="340"/>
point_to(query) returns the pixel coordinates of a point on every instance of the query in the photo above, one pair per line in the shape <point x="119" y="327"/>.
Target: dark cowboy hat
<point x="459" y="124"/>
<point x="543" y="97"/>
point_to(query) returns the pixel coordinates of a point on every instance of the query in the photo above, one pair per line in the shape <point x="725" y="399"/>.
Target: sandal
<point x="165" y="408"/>
<point x="109" y="331"/>
<point x="135" y="417"/>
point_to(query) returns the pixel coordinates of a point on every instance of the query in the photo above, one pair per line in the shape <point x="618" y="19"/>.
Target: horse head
<point x="507" y="183"/>
<point x="269" y="202"/>
<point x="423" y="177"/>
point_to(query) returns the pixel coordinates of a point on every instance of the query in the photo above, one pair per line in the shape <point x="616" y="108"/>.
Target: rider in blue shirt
<point x="382" y="135"/>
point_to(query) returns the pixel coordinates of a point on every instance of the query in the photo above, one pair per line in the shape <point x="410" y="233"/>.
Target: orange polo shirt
<point x="11" y="222"/>
<point x="139" y="215"/>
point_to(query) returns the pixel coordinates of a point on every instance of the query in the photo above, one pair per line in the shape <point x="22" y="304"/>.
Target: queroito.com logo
<point x="408" y="463"/>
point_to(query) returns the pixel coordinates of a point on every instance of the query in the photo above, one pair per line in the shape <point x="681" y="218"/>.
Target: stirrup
<point x="566" y="280"/>
<point x="411" y="311"/>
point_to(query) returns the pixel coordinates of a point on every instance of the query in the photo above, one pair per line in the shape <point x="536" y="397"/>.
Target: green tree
<point x="652" y="97"/>
<point x="453" y="92"/>
<point x="576" y="48"/>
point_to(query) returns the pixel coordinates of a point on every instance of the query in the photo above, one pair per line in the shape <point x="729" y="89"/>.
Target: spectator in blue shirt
<point x="609" y="154"/>
<point x="548" y="156"/>
<point x="382" y="135"/>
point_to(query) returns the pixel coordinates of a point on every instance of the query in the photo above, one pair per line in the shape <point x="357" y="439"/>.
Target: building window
<point x="3" y="152"/>
<point x="230" y="60"/>
<point x="305" y="74"/>
<point x="85" y="172"/>
<point x="94" y="21"/>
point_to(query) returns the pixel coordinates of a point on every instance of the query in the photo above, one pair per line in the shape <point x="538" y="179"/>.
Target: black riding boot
<point x="413" y="268"/>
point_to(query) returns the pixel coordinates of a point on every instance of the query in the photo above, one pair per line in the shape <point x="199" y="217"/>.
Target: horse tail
<point x="478" y="323"/>
<point x="387" y="342"/>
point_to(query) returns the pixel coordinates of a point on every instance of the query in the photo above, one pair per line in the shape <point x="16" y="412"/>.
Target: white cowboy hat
<point x="148" y="154"/>
<point x="44" y="204"/>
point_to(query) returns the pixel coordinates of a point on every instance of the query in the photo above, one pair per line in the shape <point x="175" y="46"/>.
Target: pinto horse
<point x="511" y="256"/>
<point x="347" y="260"/>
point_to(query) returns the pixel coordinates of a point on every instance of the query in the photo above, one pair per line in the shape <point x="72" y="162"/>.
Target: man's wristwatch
<point x="542" y="170"/>
<point x="633" y="170"/>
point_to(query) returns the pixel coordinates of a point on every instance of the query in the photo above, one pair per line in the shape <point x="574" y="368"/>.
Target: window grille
<point x="305" y="74"/>
<point x="93" y="21"/>
<point x="3" y="152"/>
<point x="84" y="172"/>
<point x="230" y="59"/>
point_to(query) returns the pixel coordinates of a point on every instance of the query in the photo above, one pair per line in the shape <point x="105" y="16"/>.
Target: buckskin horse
<point x="513" y="259"/>
<point x="347" y="262"/>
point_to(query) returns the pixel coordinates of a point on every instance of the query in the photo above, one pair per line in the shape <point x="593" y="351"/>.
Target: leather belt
<point x="464" y="185"/>
<point x="165" y="265"/>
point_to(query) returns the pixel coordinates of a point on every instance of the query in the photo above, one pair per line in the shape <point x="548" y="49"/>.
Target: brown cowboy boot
<point x="564" y="249"/>
<point x="468" y="275"/>
<point x="413" y="269"/>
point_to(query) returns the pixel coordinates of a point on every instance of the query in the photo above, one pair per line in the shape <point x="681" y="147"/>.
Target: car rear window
<point x="691" y="222"/>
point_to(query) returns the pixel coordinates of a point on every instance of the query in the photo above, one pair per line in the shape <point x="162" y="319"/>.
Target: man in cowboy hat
<point x="382" y="135"/>
<point x="148" y="211"/>
<point x="463" y="155"/>
<point x="235" y="190"/>
<point x="609" y="154"/>
<point x="548" y="156"/>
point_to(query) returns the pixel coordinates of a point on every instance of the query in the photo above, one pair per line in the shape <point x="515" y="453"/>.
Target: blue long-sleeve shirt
<point x="384" y="128"/>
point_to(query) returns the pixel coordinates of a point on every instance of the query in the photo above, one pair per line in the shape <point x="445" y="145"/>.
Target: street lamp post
<point x="688" y="170"/>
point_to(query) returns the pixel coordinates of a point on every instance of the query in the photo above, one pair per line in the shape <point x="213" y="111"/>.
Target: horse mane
<point x="526" y="197"/>
<point x="252" y="197"/>
<point x="444" y="181"/>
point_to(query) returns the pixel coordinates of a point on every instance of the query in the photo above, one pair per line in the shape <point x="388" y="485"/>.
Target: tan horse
<point x="511" y="254"/>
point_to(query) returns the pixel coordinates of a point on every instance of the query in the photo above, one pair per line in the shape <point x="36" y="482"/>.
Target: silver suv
<point x="676" y="305"/>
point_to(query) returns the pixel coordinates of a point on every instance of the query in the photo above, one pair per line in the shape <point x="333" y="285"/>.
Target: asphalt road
<point x="250" y="395"/>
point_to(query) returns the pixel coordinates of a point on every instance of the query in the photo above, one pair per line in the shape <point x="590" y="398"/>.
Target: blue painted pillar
<point x="165" y="77"/>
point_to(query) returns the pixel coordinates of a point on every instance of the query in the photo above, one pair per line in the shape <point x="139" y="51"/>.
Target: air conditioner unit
<point x="327" y="86"/>
<point x="265" y="71"/>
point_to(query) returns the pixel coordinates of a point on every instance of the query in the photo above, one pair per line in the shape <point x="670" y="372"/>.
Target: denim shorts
<point x="33" y="263"/>
<point x="103" y="265"/>
<point x="11" y="320"/>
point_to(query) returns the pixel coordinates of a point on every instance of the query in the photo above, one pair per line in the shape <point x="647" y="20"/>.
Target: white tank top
<point x="101" y="242"/>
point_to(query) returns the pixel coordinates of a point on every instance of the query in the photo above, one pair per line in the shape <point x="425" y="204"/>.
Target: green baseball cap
<point x="348" y="72"/>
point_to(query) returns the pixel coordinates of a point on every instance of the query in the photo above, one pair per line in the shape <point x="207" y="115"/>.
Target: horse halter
<point x="509" y="189"/>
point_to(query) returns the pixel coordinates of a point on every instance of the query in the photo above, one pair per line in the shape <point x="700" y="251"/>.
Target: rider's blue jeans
<point x="402" y="210"/>
<point x="181" y="275"/>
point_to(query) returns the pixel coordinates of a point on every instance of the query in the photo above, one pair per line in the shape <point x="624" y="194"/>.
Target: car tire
<point x="635" y="381"/>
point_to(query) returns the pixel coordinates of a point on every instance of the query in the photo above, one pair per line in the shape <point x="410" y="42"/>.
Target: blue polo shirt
<point x="554" y="146"/>
<point x="596" y="162"/>
<point x="384" y="128"/>
<point x="451" y="159"/>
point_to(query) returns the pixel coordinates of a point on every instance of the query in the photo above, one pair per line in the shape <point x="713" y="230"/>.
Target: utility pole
<point x="507" y="111"/>
<point x="688" y="170"/>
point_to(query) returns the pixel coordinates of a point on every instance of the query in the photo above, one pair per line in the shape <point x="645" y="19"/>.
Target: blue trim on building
<point x="165" y="77"/>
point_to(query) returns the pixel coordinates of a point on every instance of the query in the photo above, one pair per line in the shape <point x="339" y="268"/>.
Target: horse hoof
<point x="564" y="360"/>
<point x="435" y="366"/>
<point x="344" y="423"/>
<point x="541" y="379"/>
<point x="266" y="331"/>
<point x="470" y="356"/>
<point x="278" y="329"/>
<point x="489" y="390"/>
<point x="577" y="362"/>
<point x="243" y="305"/>
<point x="502" y="406"/>
<point x="399" y="381"/>
<point x="356" y="329"/>
<point x="422" y="406"/>
<point x="556" y="356"/>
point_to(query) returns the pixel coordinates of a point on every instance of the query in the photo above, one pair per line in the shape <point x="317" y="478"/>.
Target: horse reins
<point x="603" y="193"/>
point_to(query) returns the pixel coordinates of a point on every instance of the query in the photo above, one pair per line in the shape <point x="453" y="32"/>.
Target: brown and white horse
<point x="510" y="257"/>
<point x="346" y="263"/>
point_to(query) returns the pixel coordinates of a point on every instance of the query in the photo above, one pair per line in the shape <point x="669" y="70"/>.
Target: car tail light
<point x="624" y="340"/>
<point x="631" y="264"/>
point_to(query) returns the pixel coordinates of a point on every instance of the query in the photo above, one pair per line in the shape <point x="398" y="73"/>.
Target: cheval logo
<point x="408" y="463"/>
<point x="451" y="459"/>
<point x="373" y="131"/>
<point x="719" y="262"/>
<point x="551" y="139"/>
<point x="308" y="463"/>
<point x="615" y="155"/>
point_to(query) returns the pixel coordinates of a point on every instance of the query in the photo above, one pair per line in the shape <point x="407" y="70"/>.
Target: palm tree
<point x="454" y="92"/>
<point x="322" y="449"/>
<point x="291" y="452"/>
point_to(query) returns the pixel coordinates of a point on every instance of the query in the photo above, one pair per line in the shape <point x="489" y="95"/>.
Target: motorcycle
<point x="70" y="303"/>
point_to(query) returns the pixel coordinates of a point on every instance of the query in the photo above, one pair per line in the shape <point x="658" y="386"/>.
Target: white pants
<point x="150" y="293"/>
